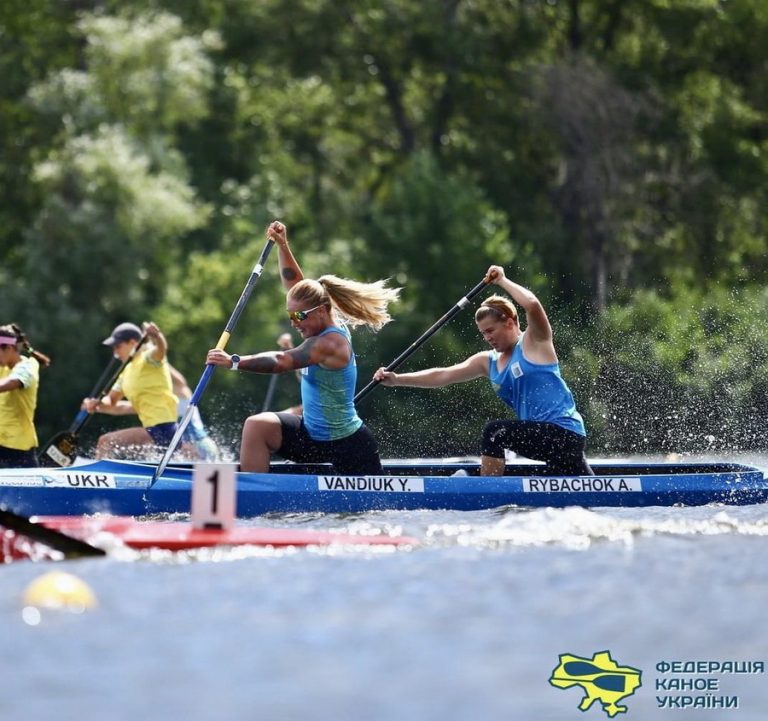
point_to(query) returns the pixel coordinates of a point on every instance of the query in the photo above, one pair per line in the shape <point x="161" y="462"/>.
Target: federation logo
<point x="601" y="679"/>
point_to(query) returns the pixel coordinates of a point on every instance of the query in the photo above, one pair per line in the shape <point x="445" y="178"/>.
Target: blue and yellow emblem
<point x="601" y="678"/>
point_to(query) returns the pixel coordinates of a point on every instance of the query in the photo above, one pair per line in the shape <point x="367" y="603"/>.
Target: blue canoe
<point x="123" y="488"/>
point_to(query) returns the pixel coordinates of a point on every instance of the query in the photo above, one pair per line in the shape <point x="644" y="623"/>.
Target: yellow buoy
<point x="59" y="590"/>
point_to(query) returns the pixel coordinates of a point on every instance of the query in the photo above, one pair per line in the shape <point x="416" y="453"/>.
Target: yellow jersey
<point x="146" y="383"/>
<point x="17" y="407"/>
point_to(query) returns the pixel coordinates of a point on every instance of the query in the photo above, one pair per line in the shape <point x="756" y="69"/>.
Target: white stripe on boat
<point x="380" y="484"/>
<point x="586" y="484"/>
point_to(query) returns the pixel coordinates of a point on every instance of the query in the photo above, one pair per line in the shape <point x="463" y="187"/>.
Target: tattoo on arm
<point x="301" y="355"/>
<point x="267" y="362"/>
<point x="289" y="274"/>
<point x="259" y="364"/>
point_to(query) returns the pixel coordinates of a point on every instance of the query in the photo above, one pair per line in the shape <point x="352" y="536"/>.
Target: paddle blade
<point x="60" y="451"/>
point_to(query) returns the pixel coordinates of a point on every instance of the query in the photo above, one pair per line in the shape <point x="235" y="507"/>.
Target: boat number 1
<point x="214" y="481"/>
<point x="213" y="495"/>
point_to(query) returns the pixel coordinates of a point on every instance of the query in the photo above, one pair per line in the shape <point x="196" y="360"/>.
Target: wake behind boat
<point x="125" y="488"/>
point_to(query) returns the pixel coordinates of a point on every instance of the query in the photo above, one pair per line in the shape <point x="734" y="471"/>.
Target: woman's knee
<point x="263" y="428"/>
<point x="493" y="436"/>
<point x="108" y="441"/>
<point x="493" y="427"/>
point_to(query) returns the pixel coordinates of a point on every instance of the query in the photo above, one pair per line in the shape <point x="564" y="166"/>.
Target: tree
<point x="116" y="195"/>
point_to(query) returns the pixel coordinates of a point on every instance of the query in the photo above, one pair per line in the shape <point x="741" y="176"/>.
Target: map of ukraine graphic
<point x="601" y="678"/>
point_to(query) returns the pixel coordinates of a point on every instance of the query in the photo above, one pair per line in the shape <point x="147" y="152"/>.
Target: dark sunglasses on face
<point x="300" y="315"/>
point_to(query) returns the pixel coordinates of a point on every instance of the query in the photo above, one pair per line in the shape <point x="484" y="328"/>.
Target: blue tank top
<point x="536" y="391"/>
<point x="328" y="397"/>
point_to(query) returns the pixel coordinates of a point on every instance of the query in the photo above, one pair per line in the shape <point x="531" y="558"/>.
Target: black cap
<point x="123" y="332"/>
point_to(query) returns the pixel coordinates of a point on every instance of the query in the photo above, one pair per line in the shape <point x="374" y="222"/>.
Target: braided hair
<point x="497" y="306"/>
<point x="23" y="345"/>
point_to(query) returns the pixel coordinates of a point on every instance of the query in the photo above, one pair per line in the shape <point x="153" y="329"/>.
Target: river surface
<point x="468" y="625"/>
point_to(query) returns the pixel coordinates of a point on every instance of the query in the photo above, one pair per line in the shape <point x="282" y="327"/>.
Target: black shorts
<point x="357" y="454"/>
<point x="162" y="433"/>
<point x="13" y="458"/>
<point x="562" y="450"/>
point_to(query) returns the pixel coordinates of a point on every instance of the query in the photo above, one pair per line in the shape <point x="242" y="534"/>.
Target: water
<point x="469" y="625"/>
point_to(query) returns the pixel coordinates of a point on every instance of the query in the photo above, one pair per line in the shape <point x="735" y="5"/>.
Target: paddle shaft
<point x="270" y="393"/>
<point x="99" y="391"/>
<point x="411" y="349"/>
<point x="83" y="415"/>
<point x="258" y="269"/>
<point x="62" y="448"/>
<point x="70" y="547"/>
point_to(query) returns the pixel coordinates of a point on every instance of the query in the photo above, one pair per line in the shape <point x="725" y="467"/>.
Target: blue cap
<point x="123" y="332"/>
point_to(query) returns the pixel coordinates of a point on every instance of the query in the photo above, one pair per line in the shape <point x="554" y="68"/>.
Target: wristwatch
<point x="235" y="361"/>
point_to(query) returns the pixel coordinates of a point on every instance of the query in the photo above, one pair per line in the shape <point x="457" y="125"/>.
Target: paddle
<point x="208" y="372"/>
<point x="62" y="448"/>
<point x="411" y="349"/>
<point x="270" y="393"/>
<point x="285" y="342"/>
<point x="70" y="547"/>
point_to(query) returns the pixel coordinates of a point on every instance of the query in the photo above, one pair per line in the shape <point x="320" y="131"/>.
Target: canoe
<point x="182" y="536"/>
<point x="125" y="489"/>
<point x="173" y="536"/>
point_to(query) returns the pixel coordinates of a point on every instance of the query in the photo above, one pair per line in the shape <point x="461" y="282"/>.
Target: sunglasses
<point x="300" y="315"/>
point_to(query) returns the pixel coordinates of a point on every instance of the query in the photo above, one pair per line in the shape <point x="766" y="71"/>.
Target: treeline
<point x="610" y="154"/>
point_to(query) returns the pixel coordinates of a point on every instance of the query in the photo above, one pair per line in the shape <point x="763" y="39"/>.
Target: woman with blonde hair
<point x="19" y="377"/>
<point x="524" y="372"/>
<point x="329" y="429"/>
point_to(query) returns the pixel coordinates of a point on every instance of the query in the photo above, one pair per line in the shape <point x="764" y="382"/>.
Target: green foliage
<point x="687" y="374"/>
<point x="426" y="223"/>
<point x="148" y="72"/>
<point x="34" y="35"/>
<point x="612" y="156"/>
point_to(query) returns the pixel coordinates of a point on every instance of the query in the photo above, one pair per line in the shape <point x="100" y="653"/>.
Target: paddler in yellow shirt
<point x="144" y="388"/>
<point x="19" y="376"/>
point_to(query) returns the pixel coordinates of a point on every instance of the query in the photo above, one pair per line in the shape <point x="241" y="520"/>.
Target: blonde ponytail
<point x="356" y="303"/>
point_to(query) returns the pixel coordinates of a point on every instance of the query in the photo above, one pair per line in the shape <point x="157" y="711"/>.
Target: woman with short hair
<point x="19" y="377"/>
<point x="525" y="373"/>
<point x="144" y="388"/>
